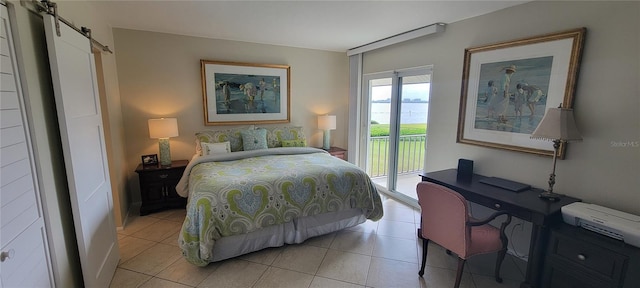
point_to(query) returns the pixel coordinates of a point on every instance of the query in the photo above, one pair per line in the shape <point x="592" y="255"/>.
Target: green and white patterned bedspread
<point x="241" y="192"/>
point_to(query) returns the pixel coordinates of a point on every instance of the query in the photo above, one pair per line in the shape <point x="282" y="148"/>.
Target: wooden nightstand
<point x="338" y="152"/>
<point x="158" y="187"/>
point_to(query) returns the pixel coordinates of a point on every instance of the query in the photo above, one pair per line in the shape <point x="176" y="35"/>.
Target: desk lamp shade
<point x="162" y="129"/>
<point x="327" y="123"/>
<point x="557" y="125"/>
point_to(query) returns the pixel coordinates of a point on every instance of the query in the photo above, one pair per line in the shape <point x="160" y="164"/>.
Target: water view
<point x="410" y="112"/>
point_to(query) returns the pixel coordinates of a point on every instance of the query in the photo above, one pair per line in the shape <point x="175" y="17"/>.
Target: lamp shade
<point x="557" y="124"/>
<point x="327" y="122"/>
<point x="163" y="128"/>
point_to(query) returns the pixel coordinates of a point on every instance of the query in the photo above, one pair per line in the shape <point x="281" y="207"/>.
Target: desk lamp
<point x="162" y="129"/>
<point x="559" y="126"/>
<point x="327" y="123"/>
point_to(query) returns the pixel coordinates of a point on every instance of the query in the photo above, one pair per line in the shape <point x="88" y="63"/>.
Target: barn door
<point x="81" y="130"/>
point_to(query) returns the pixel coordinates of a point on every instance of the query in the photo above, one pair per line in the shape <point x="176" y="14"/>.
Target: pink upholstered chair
<point x="446" y="221"/>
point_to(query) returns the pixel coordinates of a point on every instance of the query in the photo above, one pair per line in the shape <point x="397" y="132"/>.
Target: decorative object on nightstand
<point x="559" y="126"/>
<point x="158" y="186"/>
<point x="338" y="152"/>
<point x="327" y="123"/>
<point x="149" y="160"/>
<point x="162" y="129"/>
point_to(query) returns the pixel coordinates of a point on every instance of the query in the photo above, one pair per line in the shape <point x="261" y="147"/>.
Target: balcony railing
<point x="411" y="149"/>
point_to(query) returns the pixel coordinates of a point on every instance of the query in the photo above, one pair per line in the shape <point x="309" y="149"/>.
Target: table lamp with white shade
<point x="559" y="126"/>
<point x="327" y="123"/>
<point x="162" y="129"/>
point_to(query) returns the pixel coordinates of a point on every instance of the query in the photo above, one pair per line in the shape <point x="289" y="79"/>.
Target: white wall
<point x="606" y="103"/>
<point x="159" y="76"/>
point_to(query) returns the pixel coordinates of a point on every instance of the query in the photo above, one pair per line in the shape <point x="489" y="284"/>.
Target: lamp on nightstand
<point x="559" y="126"/>
<point x="327" y="123"/>
<point x="162" y="129"/>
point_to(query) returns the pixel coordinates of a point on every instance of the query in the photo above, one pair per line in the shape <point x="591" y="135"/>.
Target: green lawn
<point x="410" y="151"/>
<point x="405" y="129"/>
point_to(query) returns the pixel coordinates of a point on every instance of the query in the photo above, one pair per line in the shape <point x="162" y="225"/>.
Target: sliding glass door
<point x="397" y="105"/>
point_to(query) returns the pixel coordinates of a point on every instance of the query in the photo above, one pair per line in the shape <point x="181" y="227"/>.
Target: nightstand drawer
<point x="158" y="176"/>
<point x="338" y="153"/>
<point x="588" y="255"/>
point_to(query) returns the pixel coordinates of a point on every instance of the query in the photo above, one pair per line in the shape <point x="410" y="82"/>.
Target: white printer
<point x="603" y="220"/>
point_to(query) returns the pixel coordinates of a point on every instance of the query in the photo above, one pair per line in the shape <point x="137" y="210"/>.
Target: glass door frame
<point x="394" y="125"/>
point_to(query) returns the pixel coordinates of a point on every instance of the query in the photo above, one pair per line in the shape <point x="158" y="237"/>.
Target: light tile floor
<point x="374" y="254"/>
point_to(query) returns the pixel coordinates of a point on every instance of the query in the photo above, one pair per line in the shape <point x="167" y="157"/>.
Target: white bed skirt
<point x="294" y="232"/>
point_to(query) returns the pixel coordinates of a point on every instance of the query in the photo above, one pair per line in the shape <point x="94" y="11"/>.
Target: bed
<point x="245" y="201"/>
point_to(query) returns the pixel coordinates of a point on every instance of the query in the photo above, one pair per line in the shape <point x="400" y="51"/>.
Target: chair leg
<point x="459" y="273"/>
<point x="501" y="255"/>
<point x="425" y="245"/>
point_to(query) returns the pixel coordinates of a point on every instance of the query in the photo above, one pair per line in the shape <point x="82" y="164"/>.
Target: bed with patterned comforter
<point x="269" y="197"/>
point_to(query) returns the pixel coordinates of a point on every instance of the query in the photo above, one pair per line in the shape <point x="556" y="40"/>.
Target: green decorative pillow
<point x="294" y="143"/>
<point x="254" y="139"/>
<point x="275" y="135"/>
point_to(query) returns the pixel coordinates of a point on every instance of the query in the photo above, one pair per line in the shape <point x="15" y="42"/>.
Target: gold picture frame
<point x="245" y="93"/>
<point x="507" y="87"/>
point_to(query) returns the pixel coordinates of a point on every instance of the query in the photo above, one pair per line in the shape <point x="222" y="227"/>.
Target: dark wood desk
<point x="525" y="205"/>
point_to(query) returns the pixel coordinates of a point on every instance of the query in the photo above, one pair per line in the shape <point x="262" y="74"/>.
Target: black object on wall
<point x="465" y="170"/>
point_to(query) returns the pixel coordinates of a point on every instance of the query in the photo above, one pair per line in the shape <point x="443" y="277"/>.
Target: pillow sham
<point x="294" y="143"/>
<point x="275" y="135"/>
<point x="254" y="139"/>
<point x="216" y="136"/>
<point x="216" y="148"/>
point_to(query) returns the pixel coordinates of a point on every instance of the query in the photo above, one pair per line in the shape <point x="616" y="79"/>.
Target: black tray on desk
<point x="505" y="184"/>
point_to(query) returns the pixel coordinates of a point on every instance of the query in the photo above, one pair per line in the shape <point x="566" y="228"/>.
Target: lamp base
<point x="165" y="152"/>
<point x="550" y="196"/>
<point x="326" y="145"/>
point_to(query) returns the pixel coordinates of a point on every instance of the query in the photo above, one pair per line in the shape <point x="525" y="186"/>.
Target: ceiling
<point x="323" y="25"/>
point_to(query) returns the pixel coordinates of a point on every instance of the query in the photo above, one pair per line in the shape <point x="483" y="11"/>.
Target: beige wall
<point x="159" y="76"/>
<point x="607" y="102"/>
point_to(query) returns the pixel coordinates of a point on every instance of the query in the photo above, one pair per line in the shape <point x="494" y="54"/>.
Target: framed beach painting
<point x="507" y="87"/>
<point x="243" y="93"/>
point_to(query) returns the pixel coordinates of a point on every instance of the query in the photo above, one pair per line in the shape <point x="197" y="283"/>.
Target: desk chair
<point x="446" y="221"/>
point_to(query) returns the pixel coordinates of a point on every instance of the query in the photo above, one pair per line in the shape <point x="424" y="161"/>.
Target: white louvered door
<point x="25" y="260"/>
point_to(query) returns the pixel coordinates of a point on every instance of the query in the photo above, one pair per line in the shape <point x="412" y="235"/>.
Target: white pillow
<point x="216" y="148"/>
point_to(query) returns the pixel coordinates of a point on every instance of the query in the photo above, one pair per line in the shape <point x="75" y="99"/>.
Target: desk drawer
<point x="586" y="255"/>
<point x="501" y="206"/>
